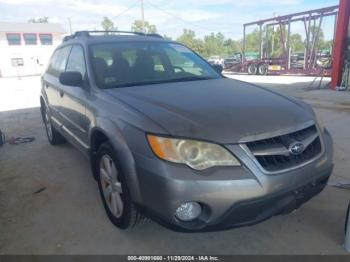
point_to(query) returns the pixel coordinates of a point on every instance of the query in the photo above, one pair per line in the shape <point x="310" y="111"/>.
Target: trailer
<point x="310" y="62"/>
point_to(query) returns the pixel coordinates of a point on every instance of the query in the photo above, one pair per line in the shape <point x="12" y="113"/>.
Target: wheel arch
<point x="106" y="131"/>
<point x="42" y="105"/>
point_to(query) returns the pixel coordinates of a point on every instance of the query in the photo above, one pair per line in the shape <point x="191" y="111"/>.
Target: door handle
<point x="61" y="93"/>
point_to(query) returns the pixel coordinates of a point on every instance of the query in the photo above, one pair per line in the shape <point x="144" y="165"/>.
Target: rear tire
<point x="114" y="191"/>
<point x="54" y="137"/>
<point x="262" y="69"/>
<point x="252" y="69"/>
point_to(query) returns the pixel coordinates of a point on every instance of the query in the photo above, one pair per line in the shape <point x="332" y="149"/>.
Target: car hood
<point x="219" y="110"/>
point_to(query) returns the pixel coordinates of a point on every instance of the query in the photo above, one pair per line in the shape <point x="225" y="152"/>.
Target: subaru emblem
<point x="296" y="148"/>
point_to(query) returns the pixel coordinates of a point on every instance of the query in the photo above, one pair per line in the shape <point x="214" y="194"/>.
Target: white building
<point x="25" y="48"/>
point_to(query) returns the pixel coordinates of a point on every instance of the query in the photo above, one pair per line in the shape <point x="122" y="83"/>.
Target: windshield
<point x="127" y="64"/>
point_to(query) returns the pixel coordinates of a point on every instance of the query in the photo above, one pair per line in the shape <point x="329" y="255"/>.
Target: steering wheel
<point x="179" y="68"/>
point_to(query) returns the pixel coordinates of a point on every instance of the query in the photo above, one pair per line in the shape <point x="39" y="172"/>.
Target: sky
<point x="170" y="16"/>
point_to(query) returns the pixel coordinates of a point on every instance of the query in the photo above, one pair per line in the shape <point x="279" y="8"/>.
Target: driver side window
<point x="76" y="61"/>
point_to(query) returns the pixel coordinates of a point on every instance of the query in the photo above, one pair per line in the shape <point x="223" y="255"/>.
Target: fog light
<point x="188" y="211"/>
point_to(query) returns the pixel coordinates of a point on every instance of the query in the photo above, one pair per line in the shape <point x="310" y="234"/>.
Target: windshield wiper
<point x="191" y="78"/>
<point x="172" y="80"/>
<point x="142" y="83"/>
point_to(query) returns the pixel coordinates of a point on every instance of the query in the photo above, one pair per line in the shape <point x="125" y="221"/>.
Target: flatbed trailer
<point x="312" y="60"/>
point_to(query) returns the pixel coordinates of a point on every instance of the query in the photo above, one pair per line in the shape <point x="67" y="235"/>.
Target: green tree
<point x="189" y="39"/>
<point x="108" y="25"/>
<point x="274" y="43"/>
<point x="296" y="43"/>
<point x="214" y="44"/>
<point x="43" y="19"/>
<point x="232" y="46"/>
<point x="326" y="45"/>
<point x="315" y="31"/>
<point x="252" y="41"/>
<point x="148" y="28"/>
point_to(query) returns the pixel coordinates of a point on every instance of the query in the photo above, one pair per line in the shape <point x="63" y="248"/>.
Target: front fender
<point x="125" y="156"/>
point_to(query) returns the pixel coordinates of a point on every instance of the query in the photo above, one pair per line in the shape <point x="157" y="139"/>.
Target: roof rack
<point x="154" y="35"/>
<point x="114" y="32"/>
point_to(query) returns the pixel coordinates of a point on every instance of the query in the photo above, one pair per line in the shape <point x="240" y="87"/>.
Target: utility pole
<point x="142" y="17"/>
<point x="70" y="25"/>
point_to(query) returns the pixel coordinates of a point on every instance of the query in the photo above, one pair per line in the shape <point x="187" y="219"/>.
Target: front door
<point x="73" y="100"/>
<point x="52" y="85"/>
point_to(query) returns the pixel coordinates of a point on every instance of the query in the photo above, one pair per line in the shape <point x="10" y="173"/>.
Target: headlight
<point x="319" y="121"/>
<point x="197" y="155"/>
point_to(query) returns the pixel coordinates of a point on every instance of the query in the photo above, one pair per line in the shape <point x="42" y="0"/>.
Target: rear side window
<point x="53" y="59"/>
<point x="59" y="61"/>
<point x="76" y="61"/>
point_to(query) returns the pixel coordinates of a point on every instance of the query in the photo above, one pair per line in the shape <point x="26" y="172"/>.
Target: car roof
<point x="123" y="38"/>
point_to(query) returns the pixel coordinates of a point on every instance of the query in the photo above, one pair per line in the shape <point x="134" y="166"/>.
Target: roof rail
<point x="154" y="35"/>
<point x="90" y="33"/>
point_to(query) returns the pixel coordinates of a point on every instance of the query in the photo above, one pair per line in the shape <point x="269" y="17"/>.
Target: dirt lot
<point x="68" y="218"/>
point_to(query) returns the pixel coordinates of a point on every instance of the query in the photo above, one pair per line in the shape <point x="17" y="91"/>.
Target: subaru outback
<point x="170" y="138"/>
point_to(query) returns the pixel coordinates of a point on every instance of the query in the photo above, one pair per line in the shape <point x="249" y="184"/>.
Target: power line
<point x="173" y="15"/>
<point x="125" y="10"/>
<point x="121" y="13"/>
<point x="180" y="18"/>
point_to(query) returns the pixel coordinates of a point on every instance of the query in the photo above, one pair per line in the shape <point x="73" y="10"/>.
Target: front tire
<point x="114" y="191"/>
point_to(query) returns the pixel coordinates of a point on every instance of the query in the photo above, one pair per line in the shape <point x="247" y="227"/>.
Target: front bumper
<point x="257" y="210"/>
<point x="230" y="196"/>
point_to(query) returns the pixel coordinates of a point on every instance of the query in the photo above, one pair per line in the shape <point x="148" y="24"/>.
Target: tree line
<point x="213" y="44"/>
<point x="218" y="44"/>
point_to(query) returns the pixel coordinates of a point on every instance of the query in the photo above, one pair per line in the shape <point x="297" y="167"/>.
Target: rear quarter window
<point x="58" y="61"/>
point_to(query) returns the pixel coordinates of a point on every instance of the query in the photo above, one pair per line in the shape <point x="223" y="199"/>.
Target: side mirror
<point x="71" y="78"/>
<point x="218" y="68"/>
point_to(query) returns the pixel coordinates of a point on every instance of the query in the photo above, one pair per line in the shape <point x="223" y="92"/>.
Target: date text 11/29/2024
<point x="173" y="258"/>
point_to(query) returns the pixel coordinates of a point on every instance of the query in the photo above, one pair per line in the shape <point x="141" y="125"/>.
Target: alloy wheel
<point x="111" y="186"/>
<point x="48" y="125"/>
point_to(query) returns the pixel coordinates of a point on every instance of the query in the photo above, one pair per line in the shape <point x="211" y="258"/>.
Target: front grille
<point x="273" y="154"/>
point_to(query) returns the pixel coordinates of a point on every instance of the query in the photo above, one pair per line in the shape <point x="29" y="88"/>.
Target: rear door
<point x="72" y="99"/>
